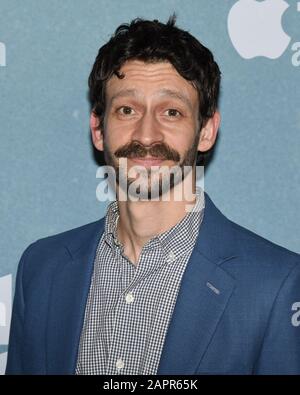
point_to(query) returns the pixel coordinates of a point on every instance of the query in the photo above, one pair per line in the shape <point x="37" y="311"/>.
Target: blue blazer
<point x="237" y="312"/>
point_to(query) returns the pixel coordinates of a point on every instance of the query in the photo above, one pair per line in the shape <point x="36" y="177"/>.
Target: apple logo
<point x="255" y="28"/>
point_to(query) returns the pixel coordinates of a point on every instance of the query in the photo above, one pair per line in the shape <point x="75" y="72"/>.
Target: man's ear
<point x="209" y="132"/>
<point x="97" y="135"/>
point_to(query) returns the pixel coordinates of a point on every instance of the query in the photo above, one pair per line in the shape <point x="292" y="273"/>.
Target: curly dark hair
<point x="153" y="41"/>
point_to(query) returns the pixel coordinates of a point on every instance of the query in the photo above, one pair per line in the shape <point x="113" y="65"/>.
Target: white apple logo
<point x="255" y="28"/>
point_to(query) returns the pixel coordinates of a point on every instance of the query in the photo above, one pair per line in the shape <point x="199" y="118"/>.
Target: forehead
<point x="150" y="79"/>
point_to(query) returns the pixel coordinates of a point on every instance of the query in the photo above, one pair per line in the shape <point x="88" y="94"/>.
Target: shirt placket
<point x="131" y="278"/>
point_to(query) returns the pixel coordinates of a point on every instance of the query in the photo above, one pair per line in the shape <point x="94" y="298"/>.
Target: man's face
<point x="151" y="118"/>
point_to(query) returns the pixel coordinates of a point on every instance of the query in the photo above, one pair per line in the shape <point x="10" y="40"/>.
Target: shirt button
<point x="171" y="256"/>
<point x="129" y="298"/>
<point x="119" y="364"/>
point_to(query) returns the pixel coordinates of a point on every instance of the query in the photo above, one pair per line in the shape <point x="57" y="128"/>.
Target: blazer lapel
<point x="71" y="283"/>
<point x="203" y="296"/>
<point x="202" y="299"/>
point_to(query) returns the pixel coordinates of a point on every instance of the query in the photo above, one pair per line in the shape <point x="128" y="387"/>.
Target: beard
<point x="153" y="182"/>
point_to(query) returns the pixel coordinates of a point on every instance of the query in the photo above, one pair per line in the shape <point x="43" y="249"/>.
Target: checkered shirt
<point x="129" y="307"/>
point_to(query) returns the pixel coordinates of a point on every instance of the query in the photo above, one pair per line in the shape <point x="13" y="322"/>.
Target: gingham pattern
<point x="129" y="308"/>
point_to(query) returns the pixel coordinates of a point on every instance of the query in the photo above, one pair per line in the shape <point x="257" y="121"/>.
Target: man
<point x="157" y="286"/>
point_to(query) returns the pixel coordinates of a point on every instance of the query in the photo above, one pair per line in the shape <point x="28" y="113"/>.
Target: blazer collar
<point x="214" y="239"/>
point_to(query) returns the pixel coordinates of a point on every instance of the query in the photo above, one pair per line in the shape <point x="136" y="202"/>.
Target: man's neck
<point x="140" y="221"/>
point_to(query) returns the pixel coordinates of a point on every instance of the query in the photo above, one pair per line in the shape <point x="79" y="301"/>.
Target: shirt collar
<point x="180" y="239"/>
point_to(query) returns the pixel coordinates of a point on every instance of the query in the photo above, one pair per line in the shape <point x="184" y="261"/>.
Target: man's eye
<point x="171" y="112"/>
<point x="125" y="110"/>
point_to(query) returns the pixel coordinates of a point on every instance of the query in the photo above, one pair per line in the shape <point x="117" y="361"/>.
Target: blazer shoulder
<point x="253" y="238"/>
<point x="47" y="249"/>
<point x="71" y="236"/>
<point x="261" y="249"/>
<point x="223" y="238"/>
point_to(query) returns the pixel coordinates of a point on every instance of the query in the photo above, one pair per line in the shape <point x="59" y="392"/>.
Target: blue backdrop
<point x="48" y="174"/>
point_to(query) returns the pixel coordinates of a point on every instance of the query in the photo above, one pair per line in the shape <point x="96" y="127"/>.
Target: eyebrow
<point x="162" y="92"/>
<point x="177" y="95"/>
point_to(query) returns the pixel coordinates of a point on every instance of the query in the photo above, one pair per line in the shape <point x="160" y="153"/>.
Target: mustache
<point x="135" y="149"/>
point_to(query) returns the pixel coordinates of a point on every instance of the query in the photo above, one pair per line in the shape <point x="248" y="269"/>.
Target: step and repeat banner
<point x="48" y="170"/>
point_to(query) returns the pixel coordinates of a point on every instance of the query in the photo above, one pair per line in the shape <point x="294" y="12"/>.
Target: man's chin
<point x="150" y="184"/>
<point x="146" y="191"/>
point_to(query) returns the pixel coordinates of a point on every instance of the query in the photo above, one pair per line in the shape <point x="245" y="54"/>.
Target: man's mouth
<point x="148" y="161"/>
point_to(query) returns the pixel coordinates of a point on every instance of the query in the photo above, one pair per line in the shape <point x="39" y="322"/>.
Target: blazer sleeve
<point x="14" y="357"/>
<point x="280" y="351"/>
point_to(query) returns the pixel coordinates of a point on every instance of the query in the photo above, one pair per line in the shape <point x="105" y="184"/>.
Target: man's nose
<point x="147" y="130"/>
